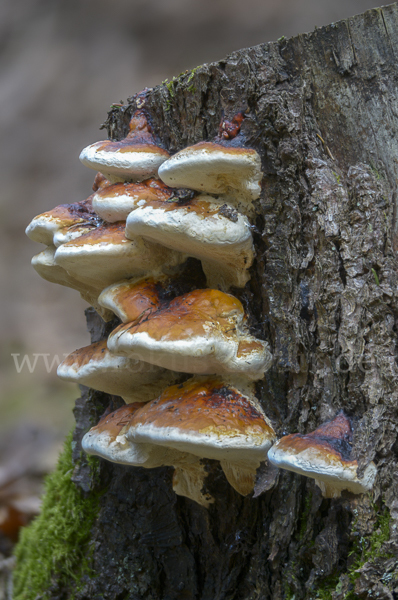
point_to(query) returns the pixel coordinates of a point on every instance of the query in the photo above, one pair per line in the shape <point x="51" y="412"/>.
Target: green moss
<point x="182" y="79"/>
<point x="376" y="277"/>
<point x="191" y="75"/>
<point x="57" y="541"/>
<point x="338" y="177"/>
<point x="330" y="585"/>
<point x="367" y="548"/>
<point x="375" y="172"/>
<point x="170" y="87"/>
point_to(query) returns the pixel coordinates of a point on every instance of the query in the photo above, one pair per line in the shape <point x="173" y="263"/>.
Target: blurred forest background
<point x="62" y="64"/>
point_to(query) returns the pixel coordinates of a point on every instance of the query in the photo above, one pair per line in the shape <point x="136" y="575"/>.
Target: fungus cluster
<point x="124" y="249"/>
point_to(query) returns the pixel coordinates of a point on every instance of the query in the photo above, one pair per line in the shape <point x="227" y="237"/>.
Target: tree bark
<point x="321" y="110"/>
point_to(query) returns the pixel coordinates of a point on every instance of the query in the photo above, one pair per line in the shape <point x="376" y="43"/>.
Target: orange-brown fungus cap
<point x="113" y="423"/>
<point x="334" y="439"/>
<point x="190" y="315"/>
<point x="207" y="405"/>
<point x="324" y="455"/>
<point x="104" y="234"/>
<point x="136" y="157"/>
<point x="132" y="301"/>
<point x="115" y="202"/>
<point x="207" y="417"/>
<point x="140" y="135"/>
<point x="107" y="439"/>
<point x="198" y="332"/>
<point x="151" y="189"/>
<point x="43" y="227"/>
<point x="100" y="182"/>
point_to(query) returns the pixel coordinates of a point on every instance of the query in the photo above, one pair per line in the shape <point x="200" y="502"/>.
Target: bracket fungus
<point x="105" y="256"/>
<point x="202" y="418"/>
<point x="134" y="299"/>
<point x="129" y="250"/>
<point x="96" y="367"/>
<point x="210" y="418"/>
<point x="44" y="227"/>
<point x="215" y="169"/>
<point x="115" y="203"/>
<point x="135" y="158"/>
<point x="67" y="234"/>
<point x="204" y="228"/>
<point x="202" y="332"/>
<point x="44" y="264"/>
<point x="324" y="455"/>
<point x="108" y="440"/>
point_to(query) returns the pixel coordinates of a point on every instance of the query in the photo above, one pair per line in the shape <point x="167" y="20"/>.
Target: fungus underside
<point x="57" y="541"/>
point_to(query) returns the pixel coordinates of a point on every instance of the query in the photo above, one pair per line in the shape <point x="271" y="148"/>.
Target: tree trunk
<point x="321" y="110"/>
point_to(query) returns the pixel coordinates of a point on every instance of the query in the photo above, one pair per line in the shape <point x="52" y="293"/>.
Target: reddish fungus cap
<point x="43" y="227"/>
<point x="132" y="300"/>
<point x="108" y="441"/>
<point x="135" y="158"/>
<point x="209" y="418"/>
<point x="96" y="367"/>
<point x="324" y="455"/>
<point x="115" y="202"/>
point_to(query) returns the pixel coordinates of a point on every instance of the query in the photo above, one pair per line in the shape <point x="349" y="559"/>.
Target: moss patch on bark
<point x="58" y="540"/>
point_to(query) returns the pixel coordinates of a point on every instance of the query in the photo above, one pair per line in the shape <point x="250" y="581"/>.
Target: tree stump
<point x="321" y="110"/>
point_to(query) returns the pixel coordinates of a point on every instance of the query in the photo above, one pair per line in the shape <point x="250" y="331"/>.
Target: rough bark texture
<point x="321" y="109"/>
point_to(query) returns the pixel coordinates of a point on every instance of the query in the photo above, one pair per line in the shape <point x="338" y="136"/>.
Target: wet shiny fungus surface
<point x="83" y="356"/>
<point x="137" y="140"/>
<point x="197" y="406"/>
<point x="138" y="301"/>
<point x="73" y="213"/>
<point x="247" y="347"/>
<point x="220" y="147"/>
<point x="151" y="189"/>
<point x="194" y="313"/>
<point x="111" y="233"/>
<point x="161" y="196"/>
<point x="114" y="422"/>
<point x="129" y="145"/>
<point x="333" y="439"/>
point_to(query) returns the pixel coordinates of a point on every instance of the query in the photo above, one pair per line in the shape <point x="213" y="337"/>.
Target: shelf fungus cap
<point x="214" y="169"/>
<point x="108" y="440"/>
<point x="43" y="227"/>
<point x="115" y="203"/>
<point x="67" y="234"/>
<point x="135" y="158"/>
<point x="209" y="418"/>
<point x="199" y="332"/>
<point x="45" y="265"/>
<point x="133" y="300"/>
<point x="324" y="455"/>
<point x="105" y="256"/>
<point x="133" y="380"/>
<point x="201" y="227"/>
